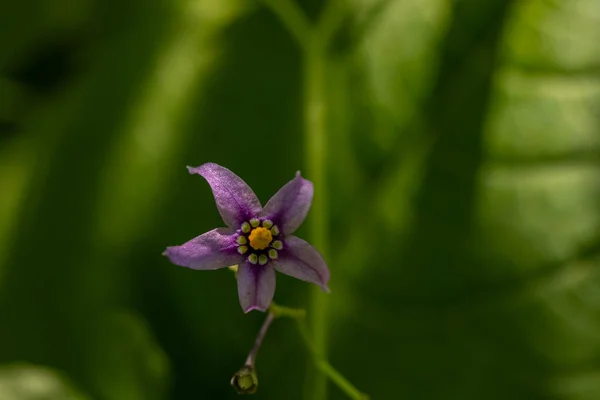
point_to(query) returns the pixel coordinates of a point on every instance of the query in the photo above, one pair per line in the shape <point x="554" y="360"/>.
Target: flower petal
<point x="211" y="250"/>
<point x="235" y="199"/>
<point x="302" y="261"/>
<point x="290" y="204"/>
<point x="256" y="286"/>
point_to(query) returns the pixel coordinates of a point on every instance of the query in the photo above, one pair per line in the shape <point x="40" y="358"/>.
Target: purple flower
<point x="258" y="239"/>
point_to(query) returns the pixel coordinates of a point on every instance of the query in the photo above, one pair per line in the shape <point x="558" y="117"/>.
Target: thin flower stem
<point x="250" y="361"/>
<point x="292" y="17"/>
<point x="281" y="311"/>
<point x="341" y="381"/>
<point x="327" y="369"/>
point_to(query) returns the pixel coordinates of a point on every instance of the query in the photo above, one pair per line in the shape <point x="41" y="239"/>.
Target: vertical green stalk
<point x="316" y="151"/>
<point x="313" y="41"/>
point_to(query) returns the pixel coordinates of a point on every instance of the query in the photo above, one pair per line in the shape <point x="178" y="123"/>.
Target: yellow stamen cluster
<point x="259" y="235"/>
<point x="260" y="238"/>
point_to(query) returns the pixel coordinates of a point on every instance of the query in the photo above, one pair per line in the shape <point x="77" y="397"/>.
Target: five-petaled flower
<point x="257" y="239"/>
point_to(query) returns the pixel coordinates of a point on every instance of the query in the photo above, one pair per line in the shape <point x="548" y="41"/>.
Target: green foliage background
<point x="461" y="167"/>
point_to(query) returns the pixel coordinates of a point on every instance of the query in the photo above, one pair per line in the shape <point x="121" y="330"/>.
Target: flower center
<point x="263" y="237"/>
<point x="260" y="238"/>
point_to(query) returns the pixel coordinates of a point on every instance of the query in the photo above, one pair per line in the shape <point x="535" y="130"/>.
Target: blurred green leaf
<point x="31" y="382"/>
<point x="131" y="364"/>
<point x="462" y="171"/>
<point x="555" y="35"/>
<point x="544" y="117"/>
<point x="516" y="260"/>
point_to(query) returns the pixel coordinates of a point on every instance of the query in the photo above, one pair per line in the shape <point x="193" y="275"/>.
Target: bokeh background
<point x="459" y="188"/>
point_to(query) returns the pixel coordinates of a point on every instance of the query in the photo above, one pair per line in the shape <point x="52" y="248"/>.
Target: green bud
<point x="245" y="380"/>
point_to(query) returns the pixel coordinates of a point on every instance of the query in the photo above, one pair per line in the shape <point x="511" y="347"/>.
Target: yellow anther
<point x="262" y="259"/>
<point x="260" y="238"/>
<point x="241" y="240"/>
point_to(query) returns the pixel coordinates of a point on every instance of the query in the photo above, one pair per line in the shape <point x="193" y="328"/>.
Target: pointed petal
<point x="290" y="204"/>
<point x="235" y="199"/>
<point x="302" y="261"/>
<point x="211" y="250"/>
<point x="256" y="286"/>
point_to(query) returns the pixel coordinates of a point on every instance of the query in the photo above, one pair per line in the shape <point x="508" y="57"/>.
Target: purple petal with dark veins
<point x="290" y="204"/>
<point x="235" y="200"/>
<point x="302" y="261"/>
<point x="256" y="286"/>
<point x="211" y="250"/>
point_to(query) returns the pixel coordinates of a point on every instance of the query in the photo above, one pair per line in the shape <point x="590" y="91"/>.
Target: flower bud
<point x="245" y="380"/>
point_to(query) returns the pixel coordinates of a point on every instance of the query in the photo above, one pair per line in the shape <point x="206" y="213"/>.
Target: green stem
<point x="322" y="365"/>
<point x="315" y="125"/>
<point x="292" y="17"/>
<point x="251" y="360"/>
<point x="316" y="152"/>
<point x="314" y="41"/>
<point x="327" y="369"/>
<point x="281" y="311"/>
<point x="330" y="20"/>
